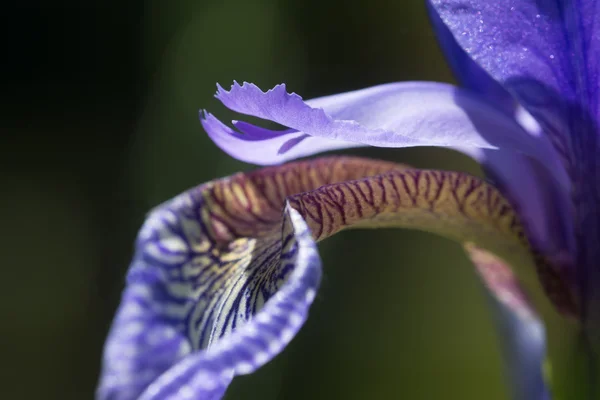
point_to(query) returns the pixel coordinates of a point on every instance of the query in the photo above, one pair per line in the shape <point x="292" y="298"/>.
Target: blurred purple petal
<point x="523" y="347"/>
<point x="521" y="333"/>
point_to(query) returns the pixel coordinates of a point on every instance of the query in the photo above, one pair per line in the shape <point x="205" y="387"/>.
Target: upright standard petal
<point x="541" y="197"/>
<point x="224" y="274"/>
<point x="392" y="115"/>
<point x="469" y="74"/>
<point x="544" y="52"/>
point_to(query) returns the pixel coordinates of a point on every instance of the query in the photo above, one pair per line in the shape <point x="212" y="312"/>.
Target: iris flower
<point x="224" y="274"/>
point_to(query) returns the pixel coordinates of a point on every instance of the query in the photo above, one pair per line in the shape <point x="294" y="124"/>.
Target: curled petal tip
<point x="394" y="115"/>
<point x="225" y="273"/>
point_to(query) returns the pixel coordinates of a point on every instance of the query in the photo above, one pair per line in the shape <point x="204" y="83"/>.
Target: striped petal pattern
<point x="224" y="273"/>
<point x="206" y="263"/>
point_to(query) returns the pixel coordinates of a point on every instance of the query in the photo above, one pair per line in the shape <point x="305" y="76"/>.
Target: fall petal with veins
<point x="224" y="274"/>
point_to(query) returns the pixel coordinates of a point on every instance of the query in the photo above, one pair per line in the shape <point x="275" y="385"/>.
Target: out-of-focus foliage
<point x="100" y="124"/>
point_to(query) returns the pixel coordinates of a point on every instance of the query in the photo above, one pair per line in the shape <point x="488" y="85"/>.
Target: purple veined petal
<point x="220" y="283"/>
<point x="543" y="203"/>
<point x="392" y="115"/>
<point x="546" y="54"/>
<point x="468" y="73"/>
<point x="251" y="147"/>
<point x="206" y="375"/>
<point x="224" y="274"/>
<point x="175" y="332"/>
<point x="542" y="200"/>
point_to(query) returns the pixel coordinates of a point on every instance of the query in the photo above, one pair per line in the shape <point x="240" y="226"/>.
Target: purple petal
<point x="206" y="375"/>
<point x="406" y="107"/>
<point x="540" y="198"/>
<point x="545" y="53"/>
<point x="469" y="74"/>
<point x="261" y="151"/>
<point x="252" y="132"/>
<point x="221" y="281"/>
<point x="521" y="333"/>
<point x="523" y="347"/>
<point x="392" y="115"/>
<point x="543" y="204"/>
<point x="188" y="321"/>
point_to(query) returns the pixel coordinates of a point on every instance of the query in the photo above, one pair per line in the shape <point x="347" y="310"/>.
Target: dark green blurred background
<point x="100" y="123"/>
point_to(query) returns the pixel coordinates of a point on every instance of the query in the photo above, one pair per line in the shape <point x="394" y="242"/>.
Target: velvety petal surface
<point x="468" y="73"/>
<point x="545" y="53"/>
<point x="392" y="115"/>
<point x="224" y="274"/>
